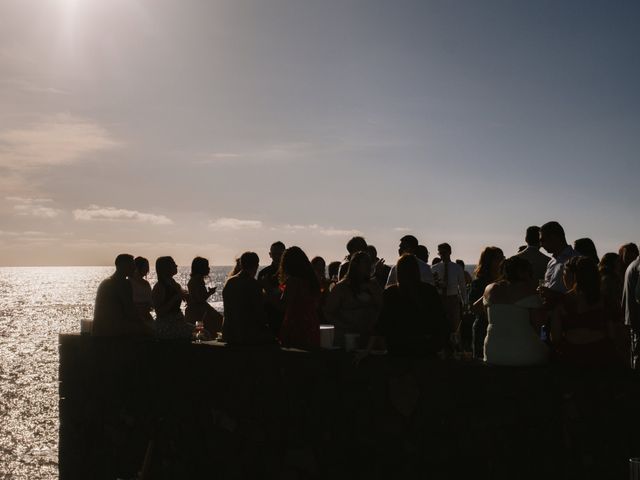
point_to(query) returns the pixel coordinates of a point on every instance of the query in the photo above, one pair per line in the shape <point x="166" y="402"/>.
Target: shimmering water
<point x="36" y="304"/>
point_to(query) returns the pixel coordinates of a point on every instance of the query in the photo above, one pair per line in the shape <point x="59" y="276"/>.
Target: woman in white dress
<point x="515" y="315"/>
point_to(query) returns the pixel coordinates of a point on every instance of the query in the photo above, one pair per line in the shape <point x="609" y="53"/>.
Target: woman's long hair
<point x="628" y="253"/>
<point x="295" y="263"/>
<point x="199" y="266"/>
<point x="516" y="269"/>
<point x="487" y="258"/>
<point x="164" y="267"/>
<point x="587" y="278"/>
<point x="610" y="264"/>
<point x="586" y="248"/>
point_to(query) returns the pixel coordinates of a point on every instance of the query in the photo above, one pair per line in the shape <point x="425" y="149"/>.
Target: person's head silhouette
<point x="125" y="265"/>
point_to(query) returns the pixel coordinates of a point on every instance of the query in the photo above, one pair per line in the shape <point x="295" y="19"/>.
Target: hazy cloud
<point x="59" y="140"/>
<point x="335" y="232"/>
<point x="97" y="213"/>
<point x="29" y="200"/>
<point x="31" y="87"/>
<point x="37" y="211"/>
<point x="328" y="231"/>
<point x="34" y="207"/>
<point x="225" y="223"/>
<point x="281" y="152"/>
<point x="28" y="233"/>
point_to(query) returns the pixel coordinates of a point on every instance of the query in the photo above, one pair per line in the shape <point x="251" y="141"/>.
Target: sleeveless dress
<point x="510" y="338"/>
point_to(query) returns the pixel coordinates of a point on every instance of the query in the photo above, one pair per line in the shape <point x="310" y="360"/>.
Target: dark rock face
<point x="204" y="411"/>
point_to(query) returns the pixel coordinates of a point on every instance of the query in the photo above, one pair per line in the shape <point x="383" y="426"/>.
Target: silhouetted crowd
<point x="571" y="307"/>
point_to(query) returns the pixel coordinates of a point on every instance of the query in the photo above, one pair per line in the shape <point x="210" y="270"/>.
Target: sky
<point x="212" y="127"/>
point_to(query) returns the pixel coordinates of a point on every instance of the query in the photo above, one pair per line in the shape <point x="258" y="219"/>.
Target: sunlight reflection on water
<point x="38" y="303"/>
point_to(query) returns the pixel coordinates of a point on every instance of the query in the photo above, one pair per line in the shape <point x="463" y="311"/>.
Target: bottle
<point x="543" y="334"/>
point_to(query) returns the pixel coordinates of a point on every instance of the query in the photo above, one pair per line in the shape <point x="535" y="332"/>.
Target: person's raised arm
<point x="392" y="279"/>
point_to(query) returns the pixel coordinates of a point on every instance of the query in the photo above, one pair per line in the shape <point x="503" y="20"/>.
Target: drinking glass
<point x="198" y="332"/>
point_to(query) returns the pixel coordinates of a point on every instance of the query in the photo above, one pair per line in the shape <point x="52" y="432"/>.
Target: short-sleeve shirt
<point x="555" y="269"/>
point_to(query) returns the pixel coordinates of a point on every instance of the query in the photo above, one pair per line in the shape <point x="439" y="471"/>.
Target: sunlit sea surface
<point x="36" y="304"/>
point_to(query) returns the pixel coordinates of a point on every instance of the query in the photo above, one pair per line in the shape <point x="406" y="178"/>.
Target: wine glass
<point x="198" y="331"/>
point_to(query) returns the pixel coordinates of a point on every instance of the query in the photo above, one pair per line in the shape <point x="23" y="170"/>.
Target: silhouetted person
<point x="611" y="285"/>
<point x="380" y="270"/>
<point x="422" y="253"/>
<point x="270" y="282"/>
<point x="467" y="317"/>
<point x="354" y="245"/>
<point x="628" y="253"/>
<point x="467" y="275"/>
<point x="554" y="241"/>
<point x="198" y="307"/>
<point x="409" y="244"/>
<point x="332" y="270"/>
<point x="142" y="291"/>
<point x="167" y="295"/>
<point x="245" y="320"/>
<point x="320" y="269"/>
<point x="114" y="313"/>
<point x="586" y="248"/>
<point x="435" y="261"/>
<point x="533" y="255"/>
<point x="611" y="282"/>
<point x="451" y="284"/>
<point x="301" y="294"/>
<point x="579" y="332"/>
<point x="354" y="303"/>
<point x="487" y="272"/>
<point x="268" y="276"/>
<point x="632" y="309"/>
<point x="412" y="319"/>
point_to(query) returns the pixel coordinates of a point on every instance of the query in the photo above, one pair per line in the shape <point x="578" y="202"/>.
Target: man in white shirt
<point x="533" y="255"/>
<point x="553" y="240"/>
<point x="450" y="282"/>
<point x="409" y="244"/>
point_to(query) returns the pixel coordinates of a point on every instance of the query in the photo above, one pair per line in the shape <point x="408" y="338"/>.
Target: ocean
<point x="36" y="304"/>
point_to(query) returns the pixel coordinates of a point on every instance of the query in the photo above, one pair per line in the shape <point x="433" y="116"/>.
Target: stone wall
<point x="210" y="411"/>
